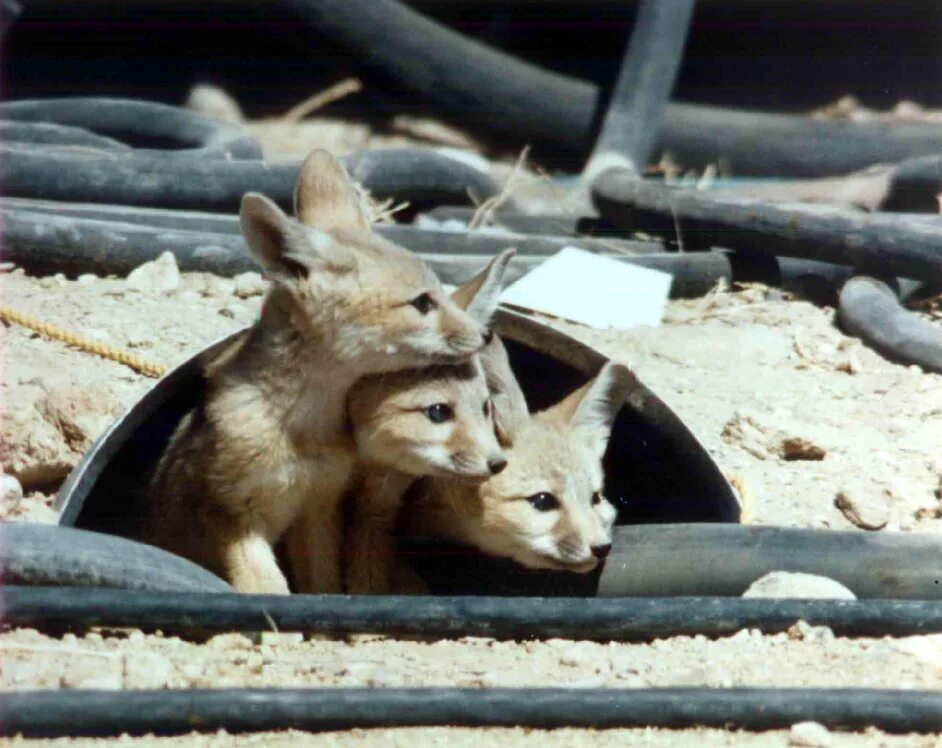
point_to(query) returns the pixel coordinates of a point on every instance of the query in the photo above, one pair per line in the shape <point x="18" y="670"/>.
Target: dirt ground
<point x="750" y="371"/>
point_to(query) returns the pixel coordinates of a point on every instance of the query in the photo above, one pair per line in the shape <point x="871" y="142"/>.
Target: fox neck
<point x="442" y="511"/>
<point x="302" y="382"/>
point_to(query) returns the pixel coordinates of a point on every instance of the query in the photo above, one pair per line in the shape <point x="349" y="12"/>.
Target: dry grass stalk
<point x="321" y="99"/>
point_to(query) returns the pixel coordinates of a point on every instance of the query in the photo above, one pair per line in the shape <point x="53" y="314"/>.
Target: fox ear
<point x="509" y="403"/>
<point x="326" y="199"/>
<point x="591" y="410"/>
<point x="480" y="295"/>
<point x="269" y="235"/>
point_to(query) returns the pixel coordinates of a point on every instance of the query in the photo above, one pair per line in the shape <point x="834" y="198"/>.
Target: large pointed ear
<point x="271" y="237"/>
<point x="480" y="295"/>
<point x="509" y="403"/>
<point x="591" y="410"/>
<point x="326" y="198"/>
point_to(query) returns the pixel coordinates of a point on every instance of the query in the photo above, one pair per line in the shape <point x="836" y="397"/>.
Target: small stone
<point x="249" y="284"/>
<point x="584" y="653"/>
<point x="101" y="683"/>
<point x="803" y="631"/>
<point x="809" y="734"/>
<point x="10" y="489"/>
<point x="863" y="509"/>
<point x="223" y="642"/>
<point x="925" y="648"/>
<point x="238" y="313"/>
<point x="799" y="448"/>
<point x="214" y="102"/>
<point x="797" y="585"/>
<point x="161" y="274"/>
<point x="147" y="670"/>
<point x="281" y="639"/>
<point x="86" y="278"/>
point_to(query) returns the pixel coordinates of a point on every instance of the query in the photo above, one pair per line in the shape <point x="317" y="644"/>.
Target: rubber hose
<point x="44" y="243"/>
<point x="506" y="618"/>
<point x="633" y="119"/>
<point x="218" y="185"/>
<point x="473" y="83"/>
<point x="162" y="712"/>
<point x="646" y="560"/>
<point x="46" y="133"/>
<point x="890" y="244"/>
<point x="177" y="132"/>
<point x="871" y="311"/>
<point x="35" y="554"/>
<point x="9" y="12"/>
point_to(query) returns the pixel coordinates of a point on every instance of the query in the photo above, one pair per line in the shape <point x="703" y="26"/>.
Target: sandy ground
<point x="750" y="371"/>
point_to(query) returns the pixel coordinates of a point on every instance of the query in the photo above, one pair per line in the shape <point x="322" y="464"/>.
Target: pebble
<point x="86" y="278"/>
<point x="863" y="509"/>
<point x="787" y="584"/>
<point x="161" y="274"/>
<point x="147" y="670"/>
<point x="10" y="489"/>
<point x="223" y="642"/>
<point x="249" y="284"/>
<point x="809" y="734"/>
<point x="584" y="653"/>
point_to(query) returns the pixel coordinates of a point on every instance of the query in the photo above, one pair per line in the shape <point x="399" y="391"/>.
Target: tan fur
<point x="397" y="441"/>
<point x="558" y="451"/>
<point x="271" y="434"/>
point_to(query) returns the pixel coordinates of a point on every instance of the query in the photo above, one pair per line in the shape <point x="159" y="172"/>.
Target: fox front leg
<point x="313" y="545"/>
<point x="250" y="564"/>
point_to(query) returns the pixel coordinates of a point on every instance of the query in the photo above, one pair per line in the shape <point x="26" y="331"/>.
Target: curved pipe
<point x="471" y="82"/>
<point x="147" y="179"/>
<point x="102" y="713"/>
<point x="514" y="618"/>
<point x="885" y="243"/>
<point x="643" y="88"/>
<point x="48" y="242"/>
<point x="180" y="133"/>
<point x="34" y="554"/>
<point x="871" y="311"/>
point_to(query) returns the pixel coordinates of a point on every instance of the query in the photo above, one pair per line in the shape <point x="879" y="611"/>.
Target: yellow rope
<point x="52" y="332"/>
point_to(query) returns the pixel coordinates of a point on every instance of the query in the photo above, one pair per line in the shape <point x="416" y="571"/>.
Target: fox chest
<point x="275" y="491"/>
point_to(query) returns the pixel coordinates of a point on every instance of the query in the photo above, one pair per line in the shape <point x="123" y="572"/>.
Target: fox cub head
<point x="337" y="284"/>
<point x="546" y="509"/>
<point x="436" y="421"/>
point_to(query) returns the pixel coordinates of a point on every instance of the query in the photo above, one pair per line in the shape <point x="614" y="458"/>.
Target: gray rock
<point x="798" y="585"/>
<point x="810" y="734"/>
<point x="161" y="274"/>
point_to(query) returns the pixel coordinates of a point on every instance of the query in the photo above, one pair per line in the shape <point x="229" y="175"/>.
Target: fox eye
<point x="488" y="336"/>
<point x="596" y="498"/>
<point x="439" y="413"/>
<point x="424" y="303"/>
<point x="543" y="502"/>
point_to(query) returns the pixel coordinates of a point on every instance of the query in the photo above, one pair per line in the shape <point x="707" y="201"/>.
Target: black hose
<point x="176" y="132"/>
<point x="9" y="12"/>
<point x="148" y="179"/>
<point x="650" y="560"/>
<point x="34" y="554"/>
<point x="871" y="311"/>
<point x="474" y="83"/>
<point x="632" y="121"/>
<point x="47" y="133"/>
<point x="889" y="244"/>
<point x="595" y="619"/>
<point x="111" y="713"/>
<point x="45" y="242"/>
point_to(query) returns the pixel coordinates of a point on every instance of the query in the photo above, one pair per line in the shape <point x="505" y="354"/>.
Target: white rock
<point x="810" y="734"/>
<point x="798" y="585"/>
<point x="214" y="102"/>
<point x="584" y="653"/>
<point x="147" y="670"/>
<point x="160" y="275"/>
<point x="10" y="489"/>
<point x="249" y="284"/>
<point x="101" y="683"/>
<point x="86" y="278"/>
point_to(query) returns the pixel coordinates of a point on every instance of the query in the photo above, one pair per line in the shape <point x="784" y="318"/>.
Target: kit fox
<point x="546" y="509"/>
<point x="432" y="421"/>
<point x="269" y="436"/>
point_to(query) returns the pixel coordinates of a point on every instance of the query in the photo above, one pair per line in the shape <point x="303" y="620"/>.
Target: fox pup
<point x="432" y="421"/>
<point x="270" y="434"/>
<point x="546" y="509"/>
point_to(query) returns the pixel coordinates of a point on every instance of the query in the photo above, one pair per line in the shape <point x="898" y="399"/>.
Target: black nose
<point x="496" y="465"/>
<point x="601" y="551"/>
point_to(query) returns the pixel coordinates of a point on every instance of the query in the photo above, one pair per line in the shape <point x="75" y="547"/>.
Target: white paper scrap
<point x="592" y="289"/>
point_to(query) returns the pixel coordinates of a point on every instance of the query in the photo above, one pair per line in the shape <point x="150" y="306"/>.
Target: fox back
<point x="545" y="510"/>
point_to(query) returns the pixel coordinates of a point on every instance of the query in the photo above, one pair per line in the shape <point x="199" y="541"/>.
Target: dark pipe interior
<point x="648" y="477"/>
